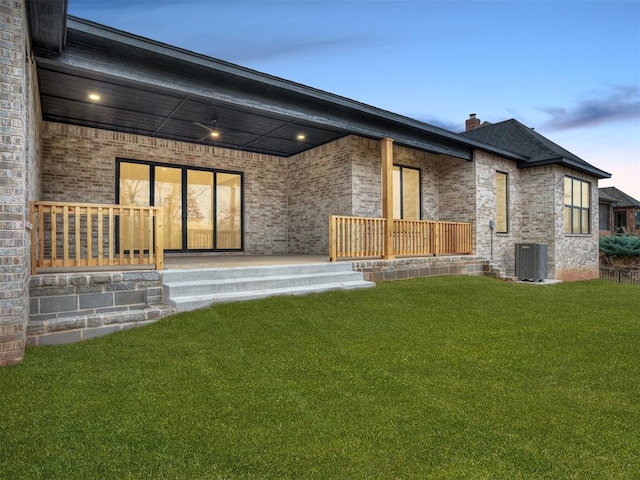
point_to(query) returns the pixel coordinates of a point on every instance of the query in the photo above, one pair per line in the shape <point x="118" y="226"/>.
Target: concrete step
<point x="193" y="302"/>
<point x="191" y="289"/>
<point x="170" y="276"/>
<point x="232" y="285"/>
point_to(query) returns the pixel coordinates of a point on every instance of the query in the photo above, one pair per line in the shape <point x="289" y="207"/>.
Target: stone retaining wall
<point x="71" y="307"/>
<point x="400" y="268"/>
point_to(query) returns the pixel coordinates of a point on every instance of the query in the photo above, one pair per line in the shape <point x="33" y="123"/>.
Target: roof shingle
<point x="539" y="150"/>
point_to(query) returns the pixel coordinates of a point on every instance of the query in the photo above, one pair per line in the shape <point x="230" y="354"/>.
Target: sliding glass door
<point x="202" y="208"/>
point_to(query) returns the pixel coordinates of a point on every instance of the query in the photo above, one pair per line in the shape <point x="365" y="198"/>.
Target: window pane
<point x="575" y="228"/>
<point x="604" y="217"/>
<point x="410" y="194"/>
<point x="168" y="193"/>
<point x="576" y="193"/>
<point x="584" y="225"/>
<point x="502" y="224"/>
<point x="397" y="193"/>
<point x="567" y="219"/>
<point x="228" y="211"/>
<point x="134" y="190"/>
<point x="134" y="184"/>
<point x="199" y="209"/>
<point x="567" y="191"/>
<point x="585" y="194"/>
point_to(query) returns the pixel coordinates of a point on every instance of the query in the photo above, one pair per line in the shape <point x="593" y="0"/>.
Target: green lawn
<point x="452" y="378"/>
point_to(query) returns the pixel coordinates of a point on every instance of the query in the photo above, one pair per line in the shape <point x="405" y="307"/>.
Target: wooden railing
<point x="71" y="235"/>
<point x="357" y="237"/>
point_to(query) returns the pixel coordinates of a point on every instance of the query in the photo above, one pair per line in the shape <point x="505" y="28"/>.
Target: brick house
<point x="241" y="162"/>
<point x="619" y="212"/>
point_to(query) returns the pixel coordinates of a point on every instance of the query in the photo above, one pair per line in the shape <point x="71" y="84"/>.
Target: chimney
<point x="472" y="122"/>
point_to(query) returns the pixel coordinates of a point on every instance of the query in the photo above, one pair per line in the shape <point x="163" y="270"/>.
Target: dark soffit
<point x="47" y="24"/>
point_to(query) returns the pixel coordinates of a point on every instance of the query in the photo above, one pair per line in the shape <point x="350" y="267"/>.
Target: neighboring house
<point x="246" y="163"/>
<point x="619" y="213"/>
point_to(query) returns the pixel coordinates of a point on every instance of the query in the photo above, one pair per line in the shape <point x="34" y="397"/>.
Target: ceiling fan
<point x="212" y="129"/>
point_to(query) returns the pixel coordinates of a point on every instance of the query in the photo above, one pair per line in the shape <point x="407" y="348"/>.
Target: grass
<point x="453" y="378"/>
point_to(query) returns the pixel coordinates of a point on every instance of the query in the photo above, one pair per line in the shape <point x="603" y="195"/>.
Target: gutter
<point x="586" y="168"/>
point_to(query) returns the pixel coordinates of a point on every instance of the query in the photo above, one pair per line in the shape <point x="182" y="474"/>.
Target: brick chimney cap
<point x="472" y="115"/>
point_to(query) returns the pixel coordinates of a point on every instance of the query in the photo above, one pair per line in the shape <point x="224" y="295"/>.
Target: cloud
<point x="622" y="103"/>
<point x="436" y="122"/>
<point x="277" y="48"/>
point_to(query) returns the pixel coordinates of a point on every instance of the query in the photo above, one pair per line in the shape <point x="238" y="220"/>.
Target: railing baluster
<point x="110" y="245"/>
<point x="141" y="237"/>
<point x="100" y="236"/>
<point x="77" y="232"/>
<point x="54" y="237"/>
<point x="89" y="237"/>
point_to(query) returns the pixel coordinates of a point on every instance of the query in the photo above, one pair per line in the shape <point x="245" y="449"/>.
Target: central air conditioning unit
<point x="531" y="261"/>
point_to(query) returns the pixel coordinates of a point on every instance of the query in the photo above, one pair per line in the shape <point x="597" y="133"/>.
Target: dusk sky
<point x="570" y="69"/>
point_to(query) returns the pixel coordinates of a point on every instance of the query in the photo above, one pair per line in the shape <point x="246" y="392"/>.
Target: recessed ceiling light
<point x="94" y="97"/>
<point x="300" y="136"/>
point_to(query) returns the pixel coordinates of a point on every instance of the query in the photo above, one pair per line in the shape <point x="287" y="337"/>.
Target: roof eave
<point x="568" y="162"/>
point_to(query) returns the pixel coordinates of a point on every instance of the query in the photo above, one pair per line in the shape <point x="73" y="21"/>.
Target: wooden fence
<point x="620" y="275"/>
<point x="358" y="237"/>
<point x="70" y="235"/>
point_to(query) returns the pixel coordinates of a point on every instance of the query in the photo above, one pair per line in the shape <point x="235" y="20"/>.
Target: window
<point x="577" y="205"/>
<point x="202" y="208"/>
<point x="621" y="222"/>
<point x="502" y="202"/>
<point x="604" y="213"/>
<point x="406" y="193"/>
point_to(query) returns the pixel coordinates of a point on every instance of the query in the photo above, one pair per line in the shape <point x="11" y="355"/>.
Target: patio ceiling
<point x="153" y="89"/>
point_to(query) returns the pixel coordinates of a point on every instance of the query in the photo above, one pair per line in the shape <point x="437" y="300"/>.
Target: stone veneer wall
<point x="19" y="164"/>
<point x="401" y="268"/>
<point x="91" y="154"/>
<point x="70" y="307"/>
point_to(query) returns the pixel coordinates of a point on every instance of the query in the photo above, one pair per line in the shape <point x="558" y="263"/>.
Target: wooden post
<point x="333" y="240"/>
<point x="386" y="145"/>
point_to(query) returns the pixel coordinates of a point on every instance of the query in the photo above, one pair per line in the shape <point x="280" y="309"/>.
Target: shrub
<point x="620" y="246"/>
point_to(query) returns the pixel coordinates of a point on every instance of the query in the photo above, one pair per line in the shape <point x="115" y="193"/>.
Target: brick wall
<point x="456" y="190"/>
<point x="536" y="215"/>
<point x="319" y="185"/>
<point x="486" y="165"/>
<point x="19" y="163"/>
<point x="91" y="153"/>
<point x="576" y="256"/>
